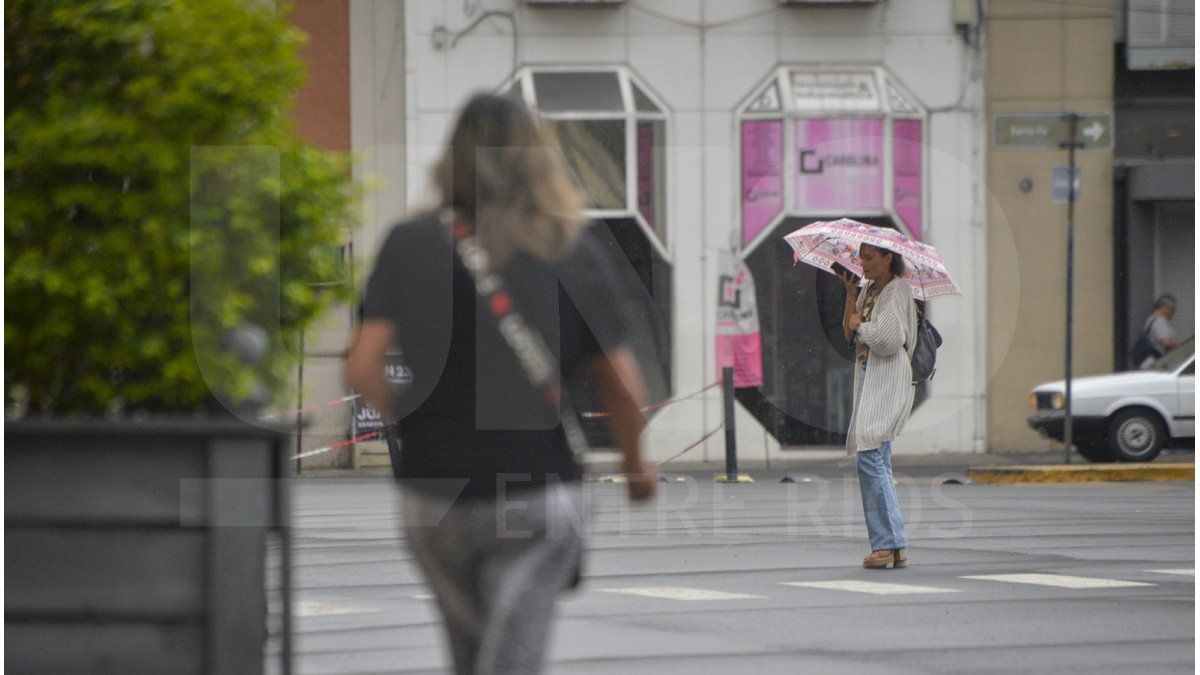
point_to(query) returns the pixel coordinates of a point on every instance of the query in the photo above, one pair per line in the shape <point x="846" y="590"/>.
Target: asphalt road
<point x="765" y="578"/>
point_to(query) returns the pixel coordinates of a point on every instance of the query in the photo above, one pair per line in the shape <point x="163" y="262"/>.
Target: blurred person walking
<point x="880" y="320"/>
<point x="487" y="298"/>
<point x="1157" y="337"/>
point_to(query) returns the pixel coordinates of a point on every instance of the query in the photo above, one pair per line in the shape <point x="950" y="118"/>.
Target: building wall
<point x="353" y="101"/>
<point x="322" y="110"/>
<point x="1045" y="56"/>
<point x="702" y="74"/>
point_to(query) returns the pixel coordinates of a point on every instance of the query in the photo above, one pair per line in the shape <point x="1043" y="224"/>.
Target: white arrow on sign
<point x="1094" y="132"/>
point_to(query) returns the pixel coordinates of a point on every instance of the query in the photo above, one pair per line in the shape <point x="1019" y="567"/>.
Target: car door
<point x="1185" y="410"/>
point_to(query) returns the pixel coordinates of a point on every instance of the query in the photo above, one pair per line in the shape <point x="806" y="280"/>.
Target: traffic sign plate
<point x="1048" y="130"/>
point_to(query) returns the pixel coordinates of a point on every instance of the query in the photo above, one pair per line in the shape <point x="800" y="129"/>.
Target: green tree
<point x="131" y="246"/>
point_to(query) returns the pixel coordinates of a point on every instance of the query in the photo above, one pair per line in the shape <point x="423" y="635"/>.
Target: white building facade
<point x="705" y="128"/>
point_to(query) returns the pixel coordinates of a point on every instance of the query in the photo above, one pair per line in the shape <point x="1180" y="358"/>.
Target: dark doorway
<point x="644" y="277"/>
<point x="807" y="365"/>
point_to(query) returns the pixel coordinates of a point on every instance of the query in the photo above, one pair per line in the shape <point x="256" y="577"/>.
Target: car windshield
<point x="1172" y="360"/>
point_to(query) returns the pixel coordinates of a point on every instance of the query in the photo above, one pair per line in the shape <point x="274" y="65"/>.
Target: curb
<point x="1082" y="474"/>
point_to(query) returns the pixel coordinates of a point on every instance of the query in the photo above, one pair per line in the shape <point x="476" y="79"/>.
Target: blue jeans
<point x="885" y="528"/>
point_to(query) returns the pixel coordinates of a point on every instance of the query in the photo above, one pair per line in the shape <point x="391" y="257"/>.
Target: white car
<point x="1124" y="417"/>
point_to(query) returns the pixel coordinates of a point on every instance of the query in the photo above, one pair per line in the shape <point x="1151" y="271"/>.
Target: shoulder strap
<point x="527" y="345"/>
<point x="1150" y="323"/>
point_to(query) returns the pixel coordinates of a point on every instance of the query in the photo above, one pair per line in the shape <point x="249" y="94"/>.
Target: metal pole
<point x="1068" y="435"/>
<point x="731" y="470"/>
<point x="299" y="405"/>
<point x="284" y="531"/>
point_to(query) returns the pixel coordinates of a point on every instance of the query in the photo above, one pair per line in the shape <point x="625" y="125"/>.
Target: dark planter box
<point x="140" y="546"/>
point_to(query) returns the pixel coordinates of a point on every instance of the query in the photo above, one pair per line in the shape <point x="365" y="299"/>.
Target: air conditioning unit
<point x="1160" y="34"/>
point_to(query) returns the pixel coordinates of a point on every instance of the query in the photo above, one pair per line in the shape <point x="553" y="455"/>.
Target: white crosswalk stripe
<point x="868" y="587"/>
<point x="680" y="593"/>
<point x="1058" y="580"/>
<point x="1182" y="572"/>
<point x="306" y="608"/>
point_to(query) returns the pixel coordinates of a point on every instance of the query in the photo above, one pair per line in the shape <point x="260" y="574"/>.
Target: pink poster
<point x="762" y="175"/>
<point x="906" y="174"/>
<point x="645" y="171"/>
<point x="839" y="164"/>
<point x="739" y="340"/>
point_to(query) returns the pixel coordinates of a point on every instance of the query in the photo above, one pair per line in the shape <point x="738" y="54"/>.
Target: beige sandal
<point x="900" y="556"/>
<point x="879" y="560"/>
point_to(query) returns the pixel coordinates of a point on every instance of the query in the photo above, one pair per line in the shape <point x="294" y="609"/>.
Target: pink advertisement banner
<point x="738" y="337"/>
<point x="839" y="164"/>
<point x="906" y="174"/>
<point x="762" y="175"/>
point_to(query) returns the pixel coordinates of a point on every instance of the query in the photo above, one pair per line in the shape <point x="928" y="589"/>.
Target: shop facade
<point x="702" y="130"/>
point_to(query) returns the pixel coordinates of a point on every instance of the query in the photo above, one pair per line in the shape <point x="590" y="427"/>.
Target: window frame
<point x="631" y="116"/>
<point x="788" y="115"/>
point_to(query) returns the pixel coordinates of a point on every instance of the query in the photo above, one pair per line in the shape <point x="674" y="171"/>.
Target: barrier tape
<point x="703" y="438"/>
<point x="311" y="408"/>
<point x="373" y="434"/>
<point x="589" y="415"/>
<point x="335" y="446"/>
<point x="656" y="406"/>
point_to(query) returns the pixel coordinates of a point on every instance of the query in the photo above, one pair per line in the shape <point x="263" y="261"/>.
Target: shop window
<point x="614" y="136"/>
<point x="830" y="142"/>
<point x="578" y="92"/>
<point x="595" y="151"/>
<point x="816" y="145"/>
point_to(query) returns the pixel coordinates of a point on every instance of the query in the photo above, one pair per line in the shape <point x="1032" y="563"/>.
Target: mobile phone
<point x="841" y="272"/>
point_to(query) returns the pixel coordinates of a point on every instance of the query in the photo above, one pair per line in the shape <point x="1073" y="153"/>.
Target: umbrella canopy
<point x="824" y="243"/>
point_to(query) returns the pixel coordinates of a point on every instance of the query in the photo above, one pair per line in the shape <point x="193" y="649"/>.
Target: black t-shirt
<point x="470" y="412"/>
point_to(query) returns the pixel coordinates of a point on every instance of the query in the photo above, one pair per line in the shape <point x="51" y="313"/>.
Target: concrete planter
<point x="141" y="546"/>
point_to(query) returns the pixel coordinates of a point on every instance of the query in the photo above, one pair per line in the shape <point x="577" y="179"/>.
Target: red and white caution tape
<point x="703" y="438"/>
<point x="335" y="446"/>
<point x="311" y="408"/>
<point x="656" y="406"/>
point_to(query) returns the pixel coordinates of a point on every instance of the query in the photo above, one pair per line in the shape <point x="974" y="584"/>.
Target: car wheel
<point x="1136" y="435"/>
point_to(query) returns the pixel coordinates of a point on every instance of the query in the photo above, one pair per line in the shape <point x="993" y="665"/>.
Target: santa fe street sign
<point x="1046" y="130"/>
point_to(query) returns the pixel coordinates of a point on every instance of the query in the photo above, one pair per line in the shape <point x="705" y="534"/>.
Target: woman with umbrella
<point x="880" y="320"/>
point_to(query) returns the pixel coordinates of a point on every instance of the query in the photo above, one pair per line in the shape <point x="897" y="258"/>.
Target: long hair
<point x="505" y="177"/>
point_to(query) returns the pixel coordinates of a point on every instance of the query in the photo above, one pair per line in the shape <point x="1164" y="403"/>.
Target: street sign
<point x="1048" y="130"/>
<point x="1058" y="184"/>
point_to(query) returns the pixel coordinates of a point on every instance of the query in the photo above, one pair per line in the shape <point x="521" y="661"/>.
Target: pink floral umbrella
<point x="822" y="244"/>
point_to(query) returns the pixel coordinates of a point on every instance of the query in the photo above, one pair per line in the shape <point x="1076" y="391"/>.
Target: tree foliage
<point x="133" y="244"/>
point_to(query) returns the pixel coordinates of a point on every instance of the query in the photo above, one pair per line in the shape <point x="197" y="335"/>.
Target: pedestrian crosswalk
<point x="1058" y="580"/>
<point x="681" y="593"/>
<point x="1188" y="572"/>
<point x="1061" y="581"/>
<point x="874" y="587"/>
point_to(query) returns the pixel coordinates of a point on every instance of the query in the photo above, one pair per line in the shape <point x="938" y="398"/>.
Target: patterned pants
<point x="497" y="568"/>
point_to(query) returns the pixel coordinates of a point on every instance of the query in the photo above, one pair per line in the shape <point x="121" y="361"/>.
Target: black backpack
<point x="1143" y="348"/>
<point x="924" y="357"/>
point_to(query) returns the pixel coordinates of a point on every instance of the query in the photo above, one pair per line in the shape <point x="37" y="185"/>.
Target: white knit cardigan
<point x="887" y="400"/>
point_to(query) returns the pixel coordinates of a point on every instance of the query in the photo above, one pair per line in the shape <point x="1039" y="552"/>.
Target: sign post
<point x="1072" y="127"/>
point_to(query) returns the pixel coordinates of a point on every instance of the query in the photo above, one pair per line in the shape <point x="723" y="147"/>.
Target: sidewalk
<point x="912" y="465"/>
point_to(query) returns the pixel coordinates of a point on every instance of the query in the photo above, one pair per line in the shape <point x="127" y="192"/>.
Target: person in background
<point x="881" y="323"/>
<point x="492" y="489"/>
<point x="1158" y="336"/>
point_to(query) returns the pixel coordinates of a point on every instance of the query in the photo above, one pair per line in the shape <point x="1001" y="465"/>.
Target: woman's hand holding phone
<point x="848" y="278"/>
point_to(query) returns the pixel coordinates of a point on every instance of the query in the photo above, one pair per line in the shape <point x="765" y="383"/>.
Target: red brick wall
<point x="322" y="109"/>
